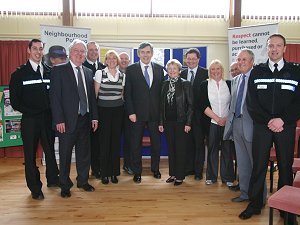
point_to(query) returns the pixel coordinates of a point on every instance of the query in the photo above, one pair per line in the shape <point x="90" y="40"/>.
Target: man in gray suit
<point x="239" y="125"/>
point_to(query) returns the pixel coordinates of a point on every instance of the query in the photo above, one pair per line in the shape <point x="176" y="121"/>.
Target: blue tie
<point x="239" y="99"/>
<point x="147" y="77"/>
<point x="192" y="77"/>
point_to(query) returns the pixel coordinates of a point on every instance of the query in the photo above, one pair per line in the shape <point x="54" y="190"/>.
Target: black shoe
<point x="177" y="183"/>
<point x="157" y="175"/>
<point x="170" y="179"/>
<point x="234" y="188"/>
<point x="114" y="179"/>
<point x="87" y="187"/>
<point x="128" y="170"/>
<point x="97" y="175"/>
<point x="238" y="199"/>
<point x="248" y="213"/>
<point x="38" y="196"/>
<point x="198" y="177"/>
<point x="137" y="178"/>
<point x="104" y="180"/>
<point x="65" y="193"/>
<point x="53" y="185"/>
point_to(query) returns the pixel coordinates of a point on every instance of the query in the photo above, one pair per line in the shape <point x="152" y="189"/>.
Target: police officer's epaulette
<point x="21" y="66"/>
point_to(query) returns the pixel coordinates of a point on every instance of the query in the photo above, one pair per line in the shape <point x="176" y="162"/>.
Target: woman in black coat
<point x="175" y="119"/>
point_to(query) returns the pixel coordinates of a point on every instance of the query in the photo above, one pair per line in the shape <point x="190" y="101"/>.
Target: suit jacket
<point x="139" y="98"/>
<point x="90" y="66"/>
<point x="64" y="97"/>
<point x="246" y="119"/>
<point x="201" y="75"/>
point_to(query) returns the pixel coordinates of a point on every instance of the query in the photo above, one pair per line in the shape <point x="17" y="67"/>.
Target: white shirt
<point x="279" y="67"/>
<point x="35" y="65"/>
<point x="83" y="79"/>
<point x="219" y="98"/>
<point x="150" y="71"/>
<point x="92" y="63"/>
<point x="98" y="76"/>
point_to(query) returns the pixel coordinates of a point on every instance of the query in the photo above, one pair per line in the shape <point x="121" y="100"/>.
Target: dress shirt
<point x="83" y="79"/>
<point x="189" y="75"/>
<point x="219" y="98"/>
<point x="150" y="71"/>
<point x="279" y="67"/>
<point x="35" y="65"/>
<point x="92" y="63"/>
<point x="247" y="75"/>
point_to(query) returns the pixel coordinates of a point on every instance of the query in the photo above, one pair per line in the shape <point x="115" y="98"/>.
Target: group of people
<point x="89" y="104"/>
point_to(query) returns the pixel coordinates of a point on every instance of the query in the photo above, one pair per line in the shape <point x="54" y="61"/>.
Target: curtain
<point x="292" y="53"/>
<point x="13" y="54"/>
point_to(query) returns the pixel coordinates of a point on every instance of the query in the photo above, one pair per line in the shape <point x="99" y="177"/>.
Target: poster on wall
<point x="10" y="121"/>
<point x="60" y="37"/>
<point x="251" y="37"/>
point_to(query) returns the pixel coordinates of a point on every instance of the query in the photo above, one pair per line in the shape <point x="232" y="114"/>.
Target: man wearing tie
<point x="239" y="125"/>
<point x="142" y="97"/>
<point x="73" y="104"/>
<point x="92" y="62"/>
<point x="273" y="102"/>
<point x="196" y="148"/>
<point x="29" y="94"/>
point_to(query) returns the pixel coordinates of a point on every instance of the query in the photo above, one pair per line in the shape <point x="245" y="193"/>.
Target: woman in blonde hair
<point x="215" y="101"/>
<point x="109" y="84"/>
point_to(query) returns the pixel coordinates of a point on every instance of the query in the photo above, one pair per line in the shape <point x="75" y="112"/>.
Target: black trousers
<point x="263" y="139"/>
<point x="80" y="138"/>
<point x="34" y="129"/>
<point x="177" y="148"/>
<point x="110" y="124"/>
<point x="226" y="163"/>
<point x="136" y="145"/>
<point x="196" y="149"/>
<point x="127" y="135"/>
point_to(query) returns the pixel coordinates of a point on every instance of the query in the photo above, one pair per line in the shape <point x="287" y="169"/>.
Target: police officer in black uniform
<point x="273" y="101"/>
<point x="29" y="89"/>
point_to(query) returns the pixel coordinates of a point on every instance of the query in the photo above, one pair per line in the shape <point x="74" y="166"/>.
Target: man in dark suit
<point x="29" y="94"/>
<point x="142" y="96"/>
<point x="196" y="152"/>
<point x="73" y="104"/>
<point x="92" y="62"/>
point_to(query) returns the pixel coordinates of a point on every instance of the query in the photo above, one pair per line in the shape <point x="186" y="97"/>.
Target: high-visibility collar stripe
<point x="273" y="80"/>
<point x="27" y="82"/>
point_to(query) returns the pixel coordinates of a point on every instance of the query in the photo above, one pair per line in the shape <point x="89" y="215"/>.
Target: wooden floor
<point x="152" y="202"/>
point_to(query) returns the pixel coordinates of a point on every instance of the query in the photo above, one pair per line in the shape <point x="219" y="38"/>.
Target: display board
<point x="10" y="121"/>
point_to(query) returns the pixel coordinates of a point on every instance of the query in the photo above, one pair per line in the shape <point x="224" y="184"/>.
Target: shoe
<point x="87" y="187"/>
<point x="97" y="175"/>
<point x="128" y="170"/>
<point x="37" y="196"/>
<point x="209" y="182"/>
<point x="178" y="182"/>
<point x="198" y="177"/>
<point x="234" y="188"/>
<point x="239" y="199"/>
<point x="65" y="193"/>
<point x="157" y="175"/>
<point x="229" y="184"/>
<point x="248" y="213"/>
<point x="53" y="185"/>
<point x="104" y="180"/>
<point x="170" y="179"/>
<point x="114" y="179"/>
<point x="137" y="178"/>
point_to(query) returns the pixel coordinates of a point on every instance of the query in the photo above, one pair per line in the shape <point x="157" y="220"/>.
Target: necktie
<point x="276" y="69"/>
<point x="39" y="71"/>
<point x="94" y="66"/>
<point x="147" y="77"/>
<point x="81" y="92"/>
<point x="239" y="99"/>
<point x="192" y="77"/>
